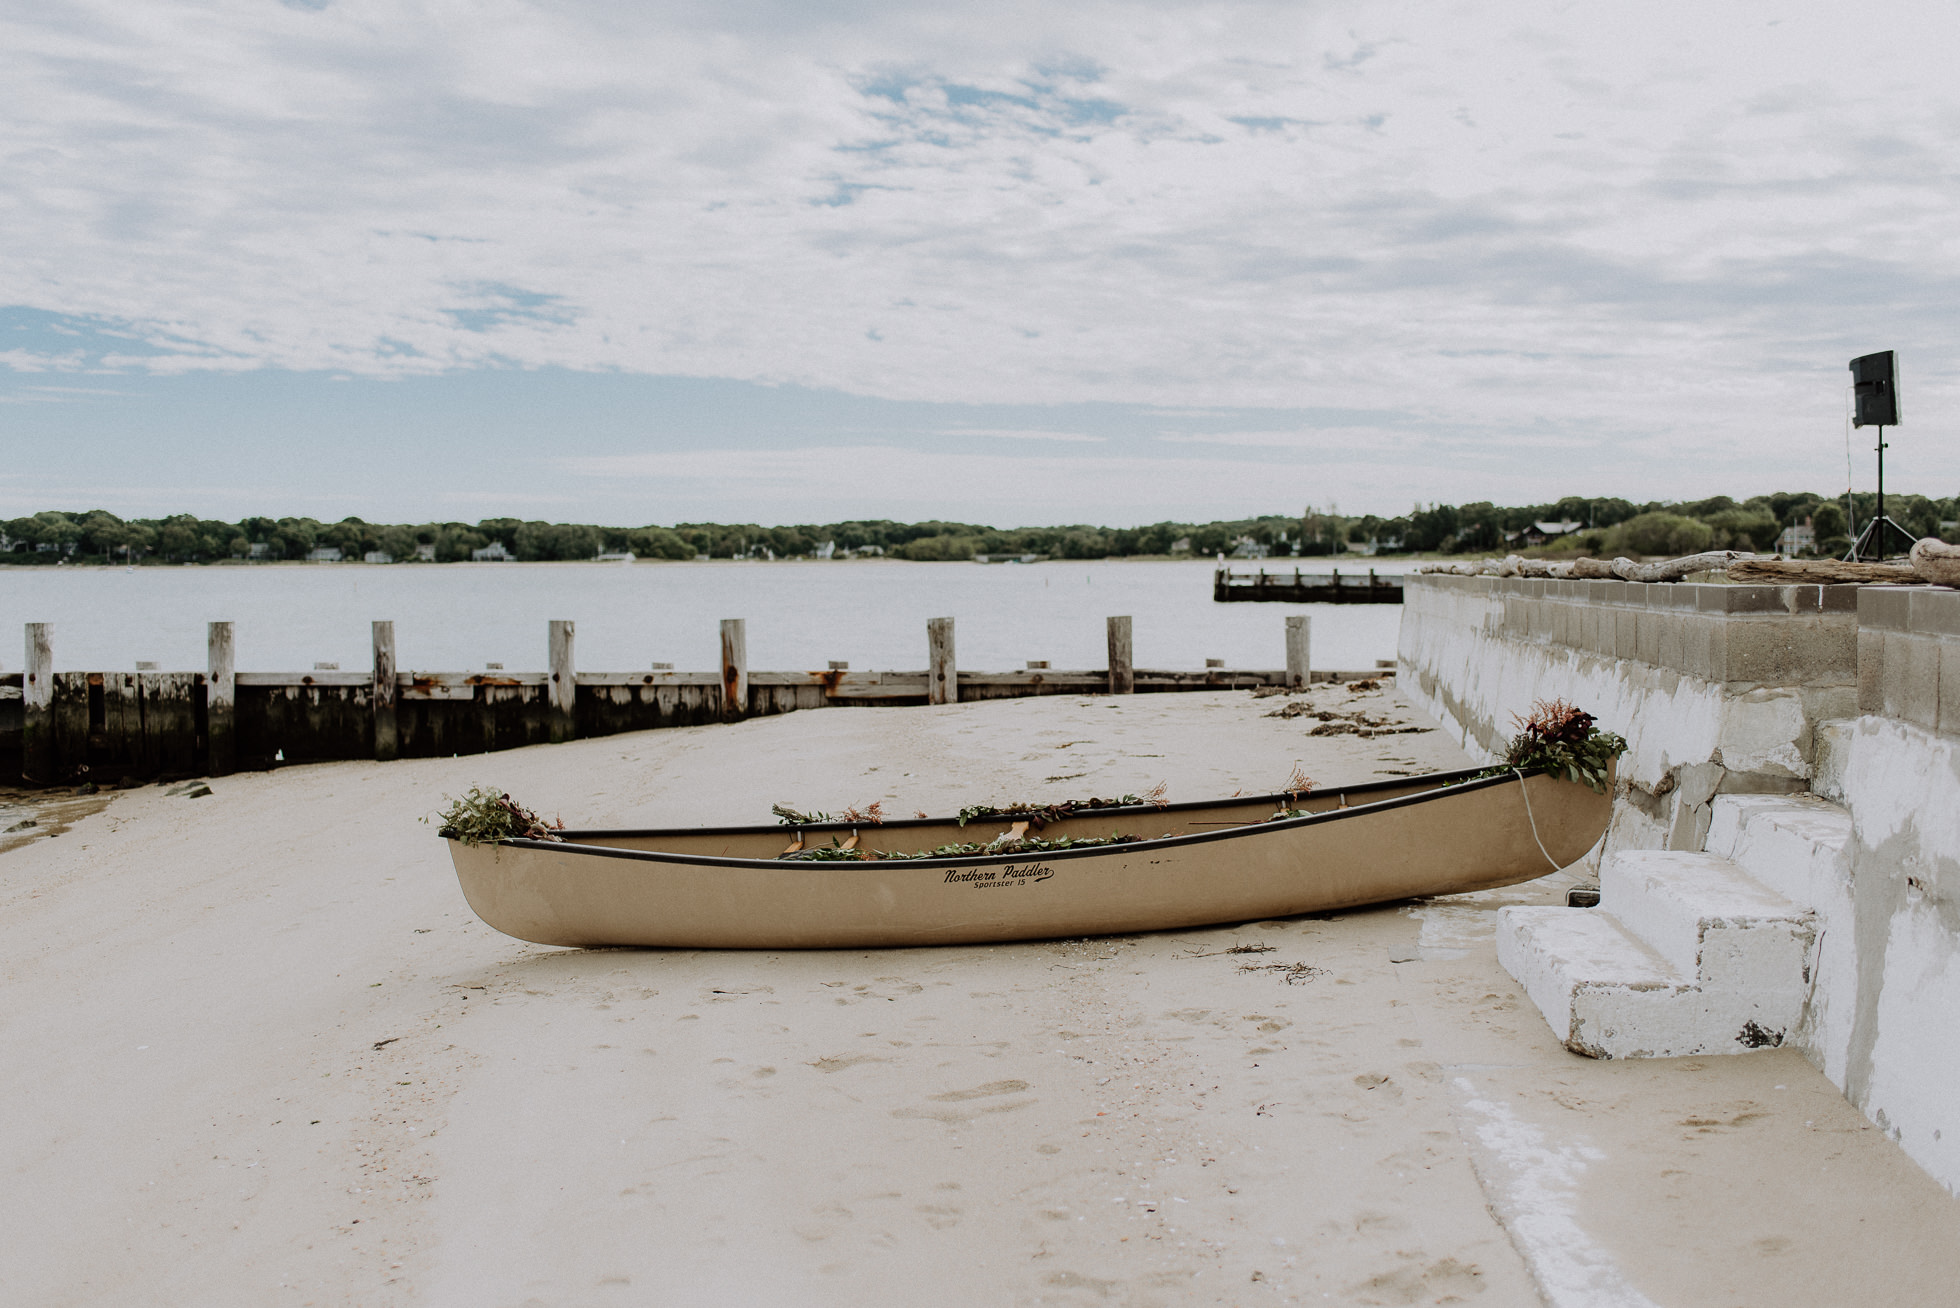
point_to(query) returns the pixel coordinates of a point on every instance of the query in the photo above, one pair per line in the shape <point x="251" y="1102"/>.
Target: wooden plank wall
<point x="113" y="727"/>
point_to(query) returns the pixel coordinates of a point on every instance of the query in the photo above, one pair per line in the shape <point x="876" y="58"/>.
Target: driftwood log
<point x="1675" y="569"/>
<point x="1936" y="561"/>
<point x="1828" y="572"/>
<point x="1933" y="562"/>
<point x="1621" y="569"/>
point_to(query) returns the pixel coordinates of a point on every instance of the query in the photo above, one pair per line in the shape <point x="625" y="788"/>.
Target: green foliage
<point x="1744" y="529"/>
<point x="484" y="817"/>
<point x="1612" y="526"/>
<point x="872" y="814"/>
<point x="1563" y="741"/>
<point x="1040" y="815"/>
<point x="1670" y="534"/>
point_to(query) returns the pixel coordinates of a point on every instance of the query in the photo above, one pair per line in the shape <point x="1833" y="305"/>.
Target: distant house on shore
<point x="323" y="554"/>
<point x="1182" y="545"/>
<point x="1247" y="548"/>
<point x="617" y="556"/>
<point x="824" y="551"/>
<point x="1797" y="538"/>
<point x="494" y="552"/>
<point x="259" y="551"/>
<point x="377" y="556"/>
<point x="425" y="553"/>
<point x="1539" y="533"/>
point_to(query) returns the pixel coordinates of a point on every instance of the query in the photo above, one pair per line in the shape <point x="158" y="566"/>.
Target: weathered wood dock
<point x="1298" y="587"/>
<point x="65" y="728"/>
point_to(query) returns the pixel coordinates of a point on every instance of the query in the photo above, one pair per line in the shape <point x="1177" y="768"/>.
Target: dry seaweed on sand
<point x="484" y="817"/>
<point x="1294" y="974"/>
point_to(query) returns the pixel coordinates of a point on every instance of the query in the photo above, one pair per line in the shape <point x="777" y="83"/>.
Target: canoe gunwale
<point x="1441" y="780"/>
<point x="1448" y="784"/>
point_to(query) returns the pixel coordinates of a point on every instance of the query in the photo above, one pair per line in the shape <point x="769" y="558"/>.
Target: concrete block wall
<point x="1909" y="656"/>
<point x="1718" y="689"/>
<point x="1895" y="768"/>
<point x="1729" y="696"/>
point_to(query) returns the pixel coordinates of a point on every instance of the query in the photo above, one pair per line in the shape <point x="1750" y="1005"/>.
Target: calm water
<point x="456" y="617"/>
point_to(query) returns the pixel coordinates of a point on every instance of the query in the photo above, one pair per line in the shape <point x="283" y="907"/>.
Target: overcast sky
<point x="1011" y="263"/>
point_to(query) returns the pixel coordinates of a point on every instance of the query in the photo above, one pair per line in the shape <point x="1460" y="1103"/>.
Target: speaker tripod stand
<point x="1872" y="540"/>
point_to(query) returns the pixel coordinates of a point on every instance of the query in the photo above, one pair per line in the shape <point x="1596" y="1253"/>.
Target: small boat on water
<point x="1178" y="865"/>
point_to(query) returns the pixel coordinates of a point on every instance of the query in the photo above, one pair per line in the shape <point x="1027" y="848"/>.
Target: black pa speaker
<point x="1875" y="390"/>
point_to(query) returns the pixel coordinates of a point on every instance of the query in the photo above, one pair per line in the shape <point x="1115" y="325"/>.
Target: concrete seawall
<point x="1717" y="689"/>
<point x="1740" y="701"/>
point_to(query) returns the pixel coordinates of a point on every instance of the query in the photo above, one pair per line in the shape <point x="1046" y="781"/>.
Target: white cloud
<point x="1563" y="227"/>
<point x="1016" y="434"/>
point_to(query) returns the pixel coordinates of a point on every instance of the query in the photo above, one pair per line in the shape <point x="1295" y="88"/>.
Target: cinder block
<point x="1718" y="649"/>
<point x="1885" y="607"/>
<point x="1542" y="619"/>
<point x="1647" y="636"/>
<point x="1624" y="628"/>
<point x="1839" y="599"/>
<point x="1694" y="643"/>
<point x="1871" y="669"/>
<point x="1789" y="651"/>
<point x="1950" y="687"/>
<point x="1911" y="687"/>
<point x="1673" y="640"/>
<point x="1599" y="628"/>
<point x="1936" y="611"/>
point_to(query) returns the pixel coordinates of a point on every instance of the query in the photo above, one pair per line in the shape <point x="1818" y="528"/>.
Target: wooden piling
<point x="942" y="676"/>
<point x="1297" y="668"/>
<point x="562" y="685"/>
<point x="37" y="707"/>
<point x="220" y="702"/>
<point x="1122" y="675"/>
<point x="387" y="740"/>
<point x="734" y="669"/>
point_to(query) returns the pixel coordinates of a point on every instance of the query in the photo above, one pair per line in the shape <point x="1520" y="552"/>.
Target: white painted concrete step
<point x="1686" y="954"/>
<point x="1797" y="845"/>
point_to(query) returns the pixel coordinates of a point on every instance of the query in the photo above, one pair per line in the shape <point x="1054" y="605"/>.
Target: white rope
<point x="1526" y="792"/>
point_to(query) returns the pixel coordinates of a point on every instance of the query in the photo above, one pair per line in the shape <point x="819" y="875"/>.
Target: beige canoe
<point x="1198" y="864"/>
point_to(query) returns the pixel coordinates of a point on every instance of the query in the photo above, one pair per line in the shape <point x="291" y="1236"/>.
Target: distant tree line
<point x="1607" y="526"/>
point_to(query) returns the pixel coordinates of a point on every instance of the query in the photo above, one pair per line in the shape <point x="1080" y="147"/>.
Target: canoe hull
<point x="1445" y="841"/>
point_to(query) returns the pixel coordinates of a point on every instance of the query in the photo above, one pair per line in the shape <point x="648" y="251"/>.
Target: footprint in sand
<point x="986" y="1091"/>
<point x="1444" y="1280"/>
<point x="959" y="1116"/>
<point x="838" y="1062"/>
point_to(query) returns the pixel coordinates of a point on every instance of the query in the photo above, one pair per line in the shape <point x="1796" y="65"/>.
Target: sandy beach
<point x="259" y="1052"/>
